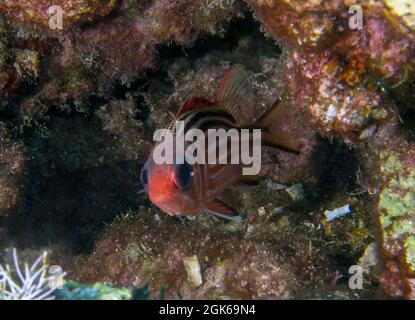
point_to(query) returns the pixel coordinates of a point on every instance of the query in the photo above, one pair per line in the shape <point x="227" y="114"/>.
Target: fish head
<point x="171" y="187"/>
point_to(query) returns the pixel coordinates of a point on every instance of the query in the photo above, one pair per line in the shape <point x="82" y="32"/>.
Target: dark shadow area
<point x="408" y="124"/>
<point x="338" y="165"/>
<point x="402" y="95"/>
<point x="73" y="187"/>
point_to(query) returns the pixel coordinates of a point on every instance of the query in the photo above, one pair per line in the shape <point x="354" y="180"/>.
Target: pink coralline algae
<point x="335" y="108"/>
<point x="337" y="73"/>
<point x="183" y="21"/>
<point x="300" y="23"/>
<point x="90" y="61"/>
<point x="36" y="14"/>
<point x="95" y="50"/>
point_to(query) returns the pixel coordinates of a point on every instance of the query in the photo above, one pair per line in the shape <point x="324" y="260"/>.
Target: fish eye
<point x="183" y="176"/>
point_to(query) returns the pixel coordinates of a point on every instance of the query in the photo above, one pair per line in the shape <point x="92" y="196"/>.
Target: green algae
<point x="410" y="252"/>
<point x="397" y="205"/>
<point x="99" y="291"/>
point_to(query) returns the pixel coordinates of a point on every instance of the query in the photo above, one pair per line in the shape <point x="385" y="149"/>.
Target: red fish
<point x="184" y="189"/>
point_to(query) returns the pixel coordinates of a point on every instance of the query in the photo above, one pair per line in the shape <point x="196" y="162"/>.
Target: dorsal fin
<point x="193" y="103"/>
<point x="236" y="96"/>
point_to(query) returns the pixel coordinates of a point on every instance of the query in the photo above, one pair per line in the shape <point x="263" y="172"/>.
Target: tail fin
<point x="272" y="134"/>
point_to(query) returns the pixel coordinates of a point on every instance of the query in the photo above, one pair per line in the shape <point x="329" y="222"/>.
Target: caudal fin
<point x="272" y="134"/>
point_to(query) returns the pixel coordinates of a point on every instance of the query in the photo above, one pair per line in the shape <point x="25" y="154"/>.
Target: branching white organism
<point x="32" y="283"/>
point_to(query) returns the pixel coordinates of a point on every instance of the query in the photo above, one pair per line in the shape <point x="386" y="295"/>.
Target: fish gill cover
<point x="85" y="83"/>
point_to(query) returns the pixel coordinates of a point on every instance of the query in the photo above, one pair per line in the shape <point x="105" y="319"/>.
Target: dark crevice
<point x="338" y="167"/>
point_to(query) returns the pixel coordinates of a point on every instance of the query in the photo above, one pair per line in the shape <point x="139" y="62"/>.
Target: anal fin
<point x="219" y="209"/>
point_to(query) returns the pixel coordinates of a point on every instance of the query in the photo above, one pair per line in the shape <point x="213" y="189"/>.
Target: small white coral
<point x="33" y="283"/>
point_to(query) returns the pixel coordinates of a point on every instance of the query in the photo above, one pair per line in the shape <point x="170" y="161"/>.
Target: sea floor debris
<point x="338" y="212"/>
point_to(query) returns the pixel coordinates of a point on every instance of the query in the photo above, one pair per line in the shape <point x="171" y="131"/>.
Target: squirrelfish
<point x="184" y="189"/>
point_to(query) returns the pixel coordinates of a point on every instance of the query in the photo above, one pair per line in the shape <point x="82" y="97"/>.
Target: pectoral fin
<point x="219" y="209"/>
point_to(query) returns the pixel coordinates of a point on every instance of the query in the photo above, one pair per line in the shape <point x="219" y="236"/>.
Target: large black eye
<point x="183" y="176"/>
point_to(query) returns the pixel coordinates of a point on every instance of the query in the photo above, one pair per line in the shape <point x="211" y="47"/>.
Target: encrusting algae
<point x="396" y="209"/>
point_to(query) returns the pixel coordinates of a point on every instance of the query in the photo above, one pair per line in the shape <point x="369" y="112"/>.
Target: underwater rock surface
<point x="79" y="105"/>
